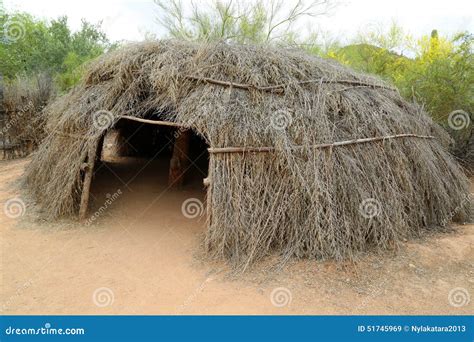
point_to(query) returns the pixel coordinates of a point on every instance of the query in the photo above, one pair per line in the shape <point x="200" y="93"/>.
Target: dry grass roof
<point x="303" y="201"/>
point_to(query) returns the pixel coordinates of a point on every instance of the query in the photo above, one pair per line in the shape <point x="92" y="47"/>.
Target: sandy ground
<point x="140" y="257"/>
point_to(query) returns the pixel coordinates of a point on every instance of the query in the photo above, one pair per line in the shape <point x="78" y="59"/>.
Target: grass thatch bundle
<point x="21" y="103"/>
<point x="463" y="147"/>
<point x="296" y="199"/>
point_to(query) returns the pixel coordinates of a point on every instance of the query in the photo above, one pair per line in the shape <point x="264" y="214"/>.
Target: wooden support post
<point x="88" y="170"/>
<point x="180" y="159"/>
<point x="208" y="184"/>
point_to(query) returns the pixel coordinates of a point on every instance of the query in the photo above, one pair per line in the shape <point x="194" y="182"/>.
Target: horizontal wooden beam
<point x="280" y="88"/>
<point x="153" y="122"/>
<point x="299" y="147"/>
<point x="272" y="89"/>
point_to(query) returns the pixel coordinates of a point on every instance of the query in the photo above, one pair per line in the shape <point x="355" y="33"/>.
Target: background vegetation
<point x="31" y="46"/>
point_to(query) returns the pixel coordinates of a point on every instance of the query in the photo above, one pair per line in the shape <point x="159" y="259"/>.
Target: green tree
<point x="262" y="21"/>
<point x="442" y="75"/>
<point x="30" y="46"/>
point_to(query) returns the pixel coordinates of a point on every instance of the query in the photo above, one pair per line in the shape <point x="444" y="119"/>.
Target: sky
<point x="130" y="19"/>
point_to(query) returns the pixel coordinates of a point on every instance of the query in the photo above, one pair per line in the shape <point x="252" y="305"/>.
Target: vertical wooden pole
<point x="208" y="183"/>
<point x="89" y="171"/>
<point x="179" y="159"/>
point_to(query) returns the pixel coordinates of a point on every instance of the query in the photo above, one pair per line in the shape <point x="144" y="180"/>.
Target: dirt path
<point x="139" y="257"/>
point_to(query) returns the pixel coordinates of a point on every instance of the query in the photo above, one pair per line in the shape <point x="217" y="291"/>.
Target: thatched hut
<point x="307" y="158"/>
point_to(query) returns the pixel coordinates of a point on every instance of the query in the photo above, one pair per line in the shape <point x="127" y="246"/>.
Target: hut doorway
<point x="148" y="161"/>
